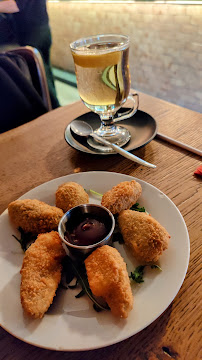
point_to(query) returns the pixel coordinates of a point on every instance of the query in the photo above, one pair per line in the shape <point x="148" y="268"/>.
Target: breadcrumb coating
<point x="34" y="216"/>
<point x="144" y="236"/>
<point x="41" y="274"/>
<point x="69" y="195"/>
<point x="122" y="196"/>
<point x="108" y="278"/>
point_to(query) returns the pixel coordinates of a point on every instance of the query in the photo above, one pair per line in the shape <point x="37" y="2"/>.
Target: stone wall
<point x="166" y="43"/>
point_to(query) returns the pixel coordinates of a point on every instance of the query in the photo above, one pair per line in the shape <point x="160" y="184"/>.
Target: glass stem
<point x="107" y="125"/>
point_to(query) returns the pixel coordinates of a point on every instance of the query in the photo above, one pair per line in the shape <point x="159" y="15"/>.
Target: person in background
<point x="26" y="22"/>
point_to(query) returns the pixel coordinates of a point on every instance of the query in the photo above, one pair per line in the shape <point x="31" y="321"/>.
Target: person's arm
<point x="8" y="7"/>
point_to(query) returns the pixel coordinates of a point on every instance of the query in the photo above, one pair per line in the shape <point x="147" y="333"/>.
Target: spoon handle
<point x="123" y="152"/>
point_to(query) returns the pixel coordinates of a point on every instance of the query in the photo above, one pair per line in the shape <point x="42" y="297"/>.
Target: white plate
<point x="71" y="324"/>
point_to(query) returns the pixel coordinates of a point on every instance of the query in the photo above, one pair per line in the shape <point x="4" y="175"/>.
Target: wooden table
<point x="37" y="152"/>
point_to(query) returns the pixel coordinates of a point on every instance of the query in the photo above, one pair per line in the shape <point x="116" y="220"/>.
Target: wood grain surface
<point x="37" y="152"/>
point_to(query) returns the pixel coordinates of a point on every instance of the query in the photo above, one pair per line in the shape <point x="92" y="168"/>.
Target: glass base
<point x="120" y="137"/>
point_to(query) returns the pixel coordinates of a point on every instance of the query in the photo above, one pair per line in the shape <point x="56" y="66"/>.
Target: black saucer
<point x="142" y="127"/>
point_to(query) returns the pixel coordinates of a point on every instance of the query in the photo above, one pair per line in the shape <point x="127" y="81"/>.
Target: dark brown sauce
<point x="88" y="232"/>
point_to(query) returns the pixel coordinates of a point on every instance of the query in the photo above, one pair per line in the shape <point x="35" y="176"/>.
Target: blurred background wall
<point x="166" y="43"/>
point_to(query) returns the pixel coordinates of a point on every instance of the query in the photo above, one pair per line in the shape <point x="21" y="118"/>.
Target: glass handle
<point x="122" y="116"/>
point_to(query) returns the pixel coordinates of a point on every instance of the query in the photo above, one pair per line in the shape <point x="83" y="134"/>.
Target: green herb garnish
<point x="95" y="192"/>
<point x="73" y="286"/>
<point x="80" y="273"/>
<point x="156" y="267"/>
<point x="136" y="207"/>
<point x="117" y="237"/>
<point x="25" y="240"/>
<point x="97" y="308"/>
<point x="80" y="294"/>
<point x="138" y="273"/>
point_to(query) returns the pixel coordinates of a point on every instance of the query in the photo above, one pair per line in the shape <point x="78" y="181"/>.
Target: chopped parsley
<point x="137" y="274"/>
<point x="136" y="207"/>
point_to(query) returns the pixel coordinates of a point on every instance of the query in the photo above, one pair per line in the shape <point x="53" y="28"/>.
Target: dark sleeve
<point x="33" y="10"/>
<point x="20" y="102"/>
<point x="21" y="4"/>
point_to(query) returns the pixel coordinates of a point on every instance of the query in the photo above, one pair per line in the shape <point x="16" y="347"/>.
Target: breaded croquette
<point x="143" y="235"/>
<point x="41" y="273"/>
<point x="122" y="196"/>
<point x="34" y="216"/>
<point x="108" y="278"/>
<point x="69" y="195"/>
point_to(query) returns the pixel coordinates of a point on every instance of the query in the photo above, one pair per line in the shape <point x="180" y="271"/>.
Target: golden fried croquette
<point x="34" y="216"/>
<point x="108" y="278"/>
<point x="143" y="235"/>
<point x="122" y="196"/>
<point x="69" y="195"/>
<point x="41" y="273"/>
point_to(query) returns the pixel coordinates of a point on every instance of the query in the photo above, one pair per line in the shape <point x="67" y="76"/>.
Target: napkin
<point x="198" y="171"/>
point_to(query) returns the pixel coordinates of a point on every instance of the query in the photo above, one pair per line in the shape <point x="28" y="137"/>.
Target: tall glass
<point x="103" y="80"/>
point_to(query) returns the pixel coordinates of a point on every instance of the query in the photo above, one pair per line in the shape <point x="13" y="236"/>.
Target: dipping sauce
<point x="87" y="232"/>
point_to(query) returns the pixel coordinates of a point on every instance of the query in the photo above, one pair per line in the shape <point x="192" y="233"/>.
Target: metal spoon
<point x="82" y="128"/>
